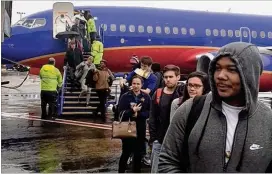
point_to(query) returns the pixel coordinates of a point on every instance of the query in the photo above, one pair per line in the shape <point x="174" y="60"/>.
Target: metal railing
<point x="61" y="94"/>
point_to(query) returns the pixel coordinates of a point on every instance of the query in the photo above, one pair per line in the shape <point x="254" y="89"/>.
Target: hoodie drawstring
<point x="243" y="150"/>
<point x="202" y="132"/>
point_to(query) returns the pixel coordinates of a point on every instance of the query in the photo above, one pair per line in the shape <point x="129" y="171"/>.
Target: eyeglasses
<point x="195" y="86"/>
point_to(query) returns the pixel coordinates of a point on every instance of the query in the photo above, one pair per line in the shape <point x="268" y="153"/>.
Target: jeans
<point x="156" y="148"/>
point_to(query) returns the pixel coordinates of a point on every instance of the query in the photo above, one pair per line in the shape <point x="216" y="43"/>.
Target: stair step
<point x="77" y="113"/>
<point x="82" y="102"/>
<point x="80" y="107"/>
<point x="78" y="92"/>
<point x="79" y="97"/>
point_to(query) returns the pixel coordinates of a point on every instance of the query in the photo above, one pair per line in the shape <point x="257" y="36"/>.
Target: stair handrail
<point x="61" y="95"/>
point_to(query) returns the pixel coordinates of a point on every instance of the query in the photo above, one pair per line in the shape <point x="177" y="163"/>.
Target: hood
<point x="247" y="59"/>
<point x="48" y="67"/>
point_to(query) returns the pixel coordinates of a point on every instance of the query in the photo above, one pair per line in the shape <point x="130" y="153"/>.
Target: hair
<point x="146" y="60"/>
<point x="205" y="81"/>
<point x="138" y="77"/>
<point x="51" y="61"/>
<point x="72" y="42"/>
<point x="90" y="58"/>
<point x="156" y="67"/>
<point x="174" y="68"/>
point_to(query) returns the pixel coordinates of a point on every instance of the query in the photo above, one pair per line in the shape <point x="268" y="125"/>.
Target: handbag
<point x="126" y="129"/>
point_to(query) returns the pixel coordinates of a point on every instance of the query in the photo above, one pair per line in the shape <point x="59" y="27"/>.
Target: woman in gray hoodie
<point x="234" y="130"/>
<point x="81" y="71"/>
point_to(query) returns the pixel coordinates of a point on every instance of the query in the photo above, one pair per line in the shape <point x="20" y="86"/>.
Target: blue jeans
<point x="156" y="148"/>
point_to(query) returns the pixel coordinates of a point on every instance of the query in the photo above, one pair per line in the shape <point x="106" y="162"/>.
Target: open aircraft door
<point x="101" y="32"/>
<point x="63" y="13"/>
<point x="245" y="35"/>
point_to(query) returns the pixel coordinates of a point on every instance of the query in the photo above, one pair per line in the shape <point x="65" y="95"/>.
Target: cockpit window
<point x="28" y="23"/>
<point x="39" y="23"/>
<point x="31" y="23"/>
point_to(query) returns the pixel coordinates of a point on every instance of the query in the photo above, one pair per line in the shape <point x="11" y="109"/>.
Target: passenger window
<point x="223" y="33"/>
<point x="254" y="34"/>
<point x="215" y="32"/>
<point x="184" y="31"/>
<point x="141" y="28"/>
<point x="113" y="27"/>
<point x="230" y="33"/>
<point x="132" y="28"/>
<point x="149" y="29"/>
<point x="192" y="31"/>
<point x="158" y="29"/>
<point x="208" y="32"/>
<point x="245" y="34"/>
<point x="262" y="34"/>
<point x="39" y="23"/>
<point x="105" y="27"/>
<point x="167" y="30"/>
<point x="175" y="30"/>
<point x="237" y="33"/>
<point x="270" y="34"/>
<point x="123" y="28"/>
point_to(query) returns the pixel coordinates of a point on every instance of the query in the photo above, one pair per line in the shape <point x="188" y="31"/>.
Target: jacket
<point x="91" y="25"/>
<point x="125" y="105"/>
<point x="73" y="57"/>
<point x="82" y="70"/>
<point x="208" y="137"/>
<point x="50" y="78"/>
<point x="158" y="123"/>
<point x="97" y="52"/>
<point x="101" y="78"/>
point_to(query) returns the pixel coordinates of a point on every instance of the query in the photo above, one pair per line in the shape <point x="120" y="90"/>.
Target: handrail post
<point x="61" y="95"/>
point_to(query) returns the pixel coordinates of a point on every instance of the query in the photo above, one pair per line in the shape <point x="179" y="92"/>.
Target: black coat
<point x="73" y="57"/>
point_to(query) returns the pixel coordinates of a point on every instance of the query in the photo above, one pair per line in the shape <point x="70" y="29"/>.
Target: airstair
<point x="69" y="103"/>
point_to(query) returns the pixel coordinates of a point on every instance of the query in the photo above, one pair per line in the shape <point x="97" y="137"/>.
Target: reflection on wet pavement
<point x="36" y="146"/>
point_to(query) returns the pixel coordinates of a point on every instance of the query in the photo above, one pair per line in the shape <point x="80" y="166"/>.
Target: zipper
<point x="234" y="137"/>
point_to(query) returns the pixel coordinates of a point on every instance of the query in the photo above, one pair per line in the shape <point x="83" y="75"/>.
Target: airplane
<point x="188" y="39"/>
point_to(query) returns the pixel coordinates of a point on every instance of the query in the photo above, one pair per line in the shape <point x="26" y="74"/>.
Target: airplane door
<point x="245" y="34"/>
<point x="63" y="13"/>
<point x="101" y="32"/>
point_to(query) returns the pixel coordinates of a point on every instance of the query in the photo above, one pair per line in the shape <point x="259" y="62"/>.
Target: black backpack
<point x="198" y="103"/>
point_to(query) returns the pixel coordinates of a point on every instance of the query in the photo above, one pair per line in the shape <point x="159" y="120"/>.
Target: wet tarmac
<point x="32" y="145"/>
<point x="36" y="146"/>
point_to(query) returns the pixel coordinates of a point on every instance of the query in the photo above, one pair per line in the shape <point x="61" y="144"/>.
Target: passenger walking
<point x="136" y="105"/>
<point x="51" y="80"/>
<point x="81" y="72"/>
<point x="160" y="111"/>
<point x="102" y="77"/>
<point x="232" y="132"/>
<point x="73" y="57"/>
<point x="197" y="84"/>
<point x="150" y="79"/>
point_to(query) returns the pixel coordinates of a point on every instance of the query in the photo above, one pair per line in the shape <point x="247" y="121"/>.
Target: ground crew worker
<point x="97" y="51"/>
<point x="51" y="80"/>
<point x="91" y="28"/>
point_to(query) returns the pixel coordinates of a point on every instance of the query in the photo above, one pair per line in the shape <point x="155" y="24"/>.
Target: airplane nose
<point x="8" y="52"/>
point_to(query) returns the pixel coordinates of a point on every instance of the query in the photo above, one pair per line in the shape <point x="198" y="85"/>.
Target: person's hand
<point x="64" y="67"/>
<point x="137" y="108"/>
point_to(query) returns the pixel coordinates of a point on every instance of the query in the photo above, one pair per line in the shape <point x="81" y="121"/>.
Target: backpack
<point x="198" y="103"/>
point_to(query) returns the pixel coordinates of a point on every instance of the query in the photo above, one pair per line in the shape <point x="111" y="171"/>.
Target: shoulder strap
<point x="198" y="103"/>
<point x="158" y="95"/>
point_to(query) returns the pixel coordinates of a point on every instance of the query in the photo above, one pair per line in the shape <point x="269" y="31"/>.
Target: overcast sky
<point x="249" y="7"/>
